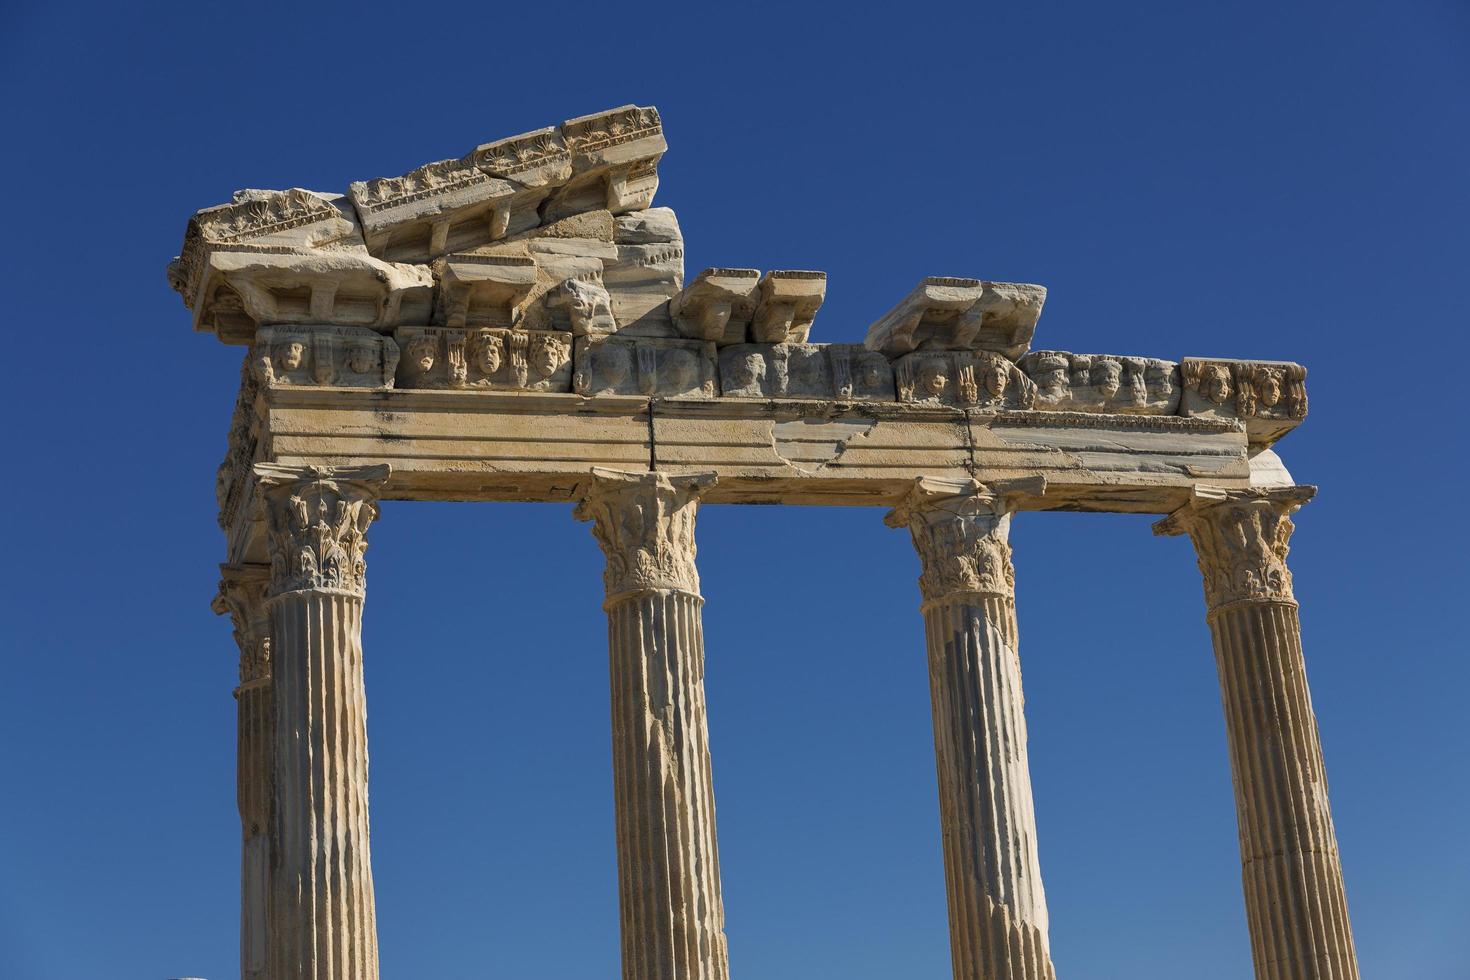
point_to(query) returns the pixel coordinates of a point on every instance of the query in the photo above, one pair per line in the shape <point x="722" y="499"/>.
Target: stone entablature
<point x="514" y="324"/>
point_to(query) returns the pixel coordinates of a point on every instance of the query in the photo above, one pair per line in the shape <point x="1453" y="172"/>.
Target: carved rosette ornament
<point x="959" y="530"/>
<point x="317" y="519"/>
<point x="1241" y="540"/>
<point x="645" y="525"/>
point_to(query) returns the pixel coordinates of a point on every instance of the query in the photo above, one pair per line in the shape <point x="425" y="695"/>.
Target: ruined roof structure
<point x="516" y="324"/>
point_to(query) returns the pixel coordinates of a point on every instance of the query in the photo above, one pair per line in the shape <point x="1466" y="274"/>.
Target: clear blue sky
<point x="1214" y="179"/>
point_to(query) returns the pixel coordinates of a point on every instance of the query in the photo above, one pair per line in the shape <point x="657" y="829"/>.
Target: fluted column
<point x="997" y="907"/>
<point x="322" y="921"/>
<point x="242" y="594"/>
<point x="1296" y="906"/>
<point x="672" y="915"/>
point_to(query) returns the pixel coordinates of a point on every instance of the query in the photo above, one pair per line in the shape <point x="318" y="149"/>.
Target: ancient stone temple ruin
<point x="516" y="324"/>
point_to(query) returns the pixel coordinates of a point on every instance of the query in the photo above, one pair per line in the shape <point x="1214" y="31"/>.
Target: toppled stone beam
<point x="439" y="207"/>
<point x="944" y="313"/>
<point x="789" y="301"/>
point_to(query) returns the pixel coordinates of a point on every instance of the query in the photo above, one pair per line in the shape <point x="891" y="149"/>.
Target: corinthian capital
<point x="645" y="525"/>
<point x="960" y="530"/>
<point x="317" y="520"/>
<point x="242" y="590"/>
<point x="1241" y="539"/>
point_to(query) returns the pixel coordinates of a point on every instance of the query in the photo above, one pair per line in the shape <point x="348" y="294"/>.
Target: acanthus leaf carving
<point x="1241" y="540"/>
<point x="317" y="520"/>
<point x="960" y="530"/>
<point x="242" y="594"/>
<point x="644" y="523"/>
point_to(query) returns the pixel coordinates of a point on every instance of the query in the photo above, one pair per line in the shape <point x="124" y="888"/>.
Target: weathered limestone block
<point x="944" y="313"/>
<point x="495" y="359"/>
<point x="843" y="372"/>
<point x="1103" y="383"/>
<point x="647" y="272"/>
<point x="997" y="906"/>
<point x="449" y="205"/>
<point x="322" y="913"/>
<point x="718" y="305"/>
<point x="483" y="290"/>
<point x="1270" y="397"/>
<point x="963" y="379"/>
<point x="614" y="158"/>
<point x="348" y="357"/>
<point x="789" y="301"/>
<point x="672" y="911"/>
<point x="232" y="476"/>
<point x="242" y="594"/>
<point x="653" y="366"/>
<point x="1296" y="904"/>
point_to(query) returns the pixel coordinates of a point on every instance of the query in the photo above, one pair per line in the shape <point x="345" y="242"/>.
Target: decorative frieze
<point x="439" y="207"/>
<point x="1103" y="383"/>
<point x="347" y="357"/>
<point x="1270" y="397"/>
<point x="945" y="313"/>
<point x="963" y="379"/>
<point x="316" y="523"/>
<point x="653" y="366"/>
<point x="498" y="360"/>
<point x="533" y="159"/>
<point x="842" y="372"/>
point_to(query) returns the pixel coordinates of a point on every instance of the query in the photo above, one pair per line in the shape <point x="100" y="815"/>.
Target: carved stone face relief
<point x="548" y="353"/>
<point x="362" y="359"/>
<point x="290" y="355"/>
<point x="932" y="378"/>
<point x="996" y="378"/>
<point x="1214" y="385"/>
<point x="488" y="350"/>
<point x="1108" y="377"/>
<point x="421" y="353"/>
<point x="652" y="366"/>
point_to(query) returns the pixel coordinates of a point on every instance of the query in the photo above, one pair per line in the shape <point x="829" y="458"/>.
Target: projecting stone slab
<point x="717" y="306"/>
<point x="449" y="205"/>
<point x="845" y="372"/>
<point x="944" y="313"/>
<point x="483" y="290"/>
<point x="789" y="300"/>
<point x="534" y="159"/>
<point x="1269" y="397"/>
<point x="1104" y="383"/>
<point x="495" y="359"/>
<point x="619" y="365"/>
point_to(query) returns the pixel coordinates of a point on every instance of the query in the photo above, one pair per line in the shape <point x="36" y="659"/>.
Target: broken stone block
<point x="1270" y="397"/>
<point x="446" y="206"/>
<point x="587" y="306"/>
<point x="963" y="379"/>
<point x="717" y="306"/>
<point x="536" y="159"/>
<point x="840" y="372"/>
<point x="960" y="314"/>
<point x="652" y="366"/>
<point x="788" y="302"/>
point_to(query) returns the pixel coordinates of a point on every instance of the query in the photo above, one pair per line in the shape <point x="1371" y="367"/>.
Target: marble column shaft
<point x="323" y="922"/>
<point x="997" y="906"/>
<point x="672" y="913"/>
<point x="242" y="594"/>
<point x="1296" y="905"/>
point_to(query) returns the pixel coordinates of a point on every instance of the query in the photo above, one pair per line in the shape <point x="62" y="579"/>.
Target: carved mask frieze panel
<point x="963" y="379"/>
<point x="345" y="357"/>
<point x="1270" y="397"/>
<point x="827" y="371"/>
<point x="1103" y="383"/>
<point x="500" y="360"/>
<point x="668" y="368"/>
